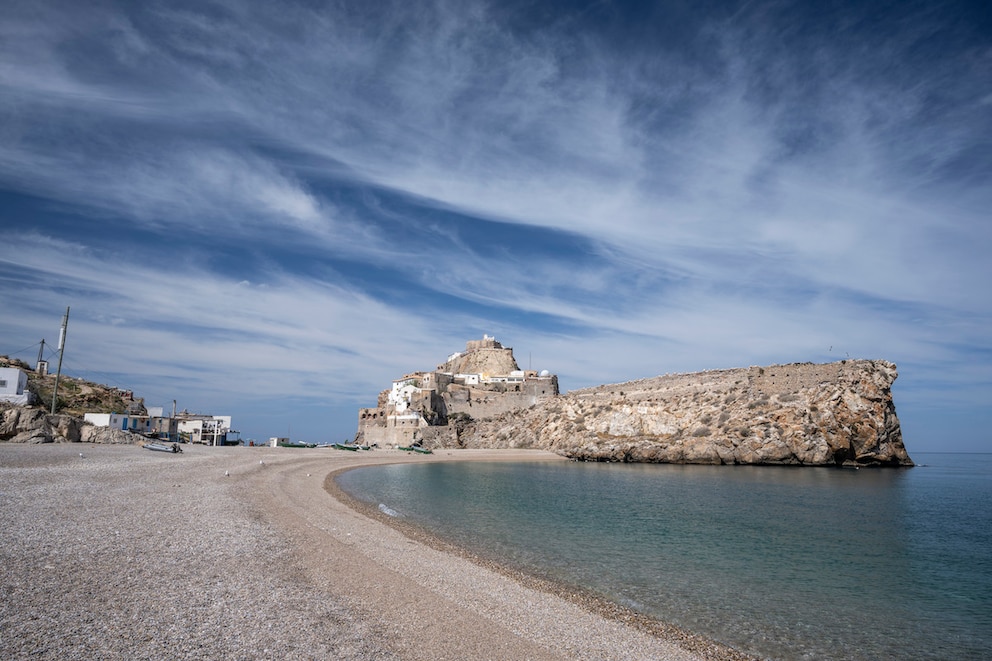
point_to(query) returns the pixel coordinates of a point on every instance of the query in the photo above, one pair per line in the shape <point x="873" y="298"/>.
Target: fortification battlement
<point x="485" y="357"/>
<point x="485" y="343"/>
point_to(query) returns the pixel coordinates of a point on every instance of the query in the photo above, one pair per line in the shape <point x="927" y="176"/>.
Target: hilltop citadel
<point x="480" y="382"/>
<point x="831" y="414"/>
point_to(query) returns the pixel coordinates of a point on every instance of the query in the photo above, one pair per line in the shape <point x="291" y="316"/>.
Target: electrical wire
<point x="13" y="354"/>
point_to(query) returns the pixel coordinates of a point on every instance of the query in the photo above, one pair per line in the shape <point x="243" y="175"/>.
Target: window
<point x="3" y="383"/>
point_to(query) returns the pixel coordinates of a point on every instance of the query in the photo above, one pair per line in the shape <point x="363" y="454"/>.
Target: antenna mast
<point x="58" y="374"/>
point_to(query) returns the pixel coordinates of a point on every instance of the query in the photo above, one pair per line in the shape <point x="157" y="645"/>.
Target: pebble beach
<point x="113" y="551"/>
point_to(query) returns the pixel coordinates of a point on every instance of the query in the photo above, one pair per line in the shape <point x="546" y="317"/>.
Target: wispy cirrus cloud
<point x="437" y="168"/>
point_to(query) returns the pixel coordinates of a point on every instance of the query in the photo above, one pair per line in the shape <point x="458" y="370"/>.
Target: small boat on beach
<point x="344" y="446"/>
<point x="297" y="445"/>
<point x="163" y="447"/>
<point x="415" y="448"/>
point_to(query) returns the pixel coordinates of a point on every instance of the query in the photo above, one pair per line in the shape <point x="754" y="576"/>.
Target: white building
<point x="206" y="429"/>
<point x="188" y="427"/>
<point x="402" y="394"/>
<point x="153" y="426"/>
<point x="13" y="382"/>
<point x="112" y="420"/>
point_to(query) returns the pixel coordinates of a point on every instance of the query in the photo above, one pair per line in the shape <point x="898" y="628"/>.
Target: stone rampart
<point x="488" y="401"/>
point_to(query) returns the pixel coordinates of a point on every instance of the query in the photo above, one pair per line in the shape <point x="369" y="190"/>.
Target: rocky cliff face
<point x="21" y="424"/>
<point x="33" y="424"/>
<point x="485" y="360"/>
<point x="800" y="414"/>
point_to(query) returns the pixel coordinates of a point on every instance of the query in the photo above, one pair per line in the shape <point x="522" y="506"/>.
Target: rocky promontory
<point x="35" y="424"/>
<point x="24" y="424"/>
<point x="801" y="414"/>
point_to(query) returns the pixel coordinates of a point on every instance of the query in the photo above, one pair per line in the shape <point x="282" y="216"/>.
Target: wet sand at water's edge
<point x="246" y="553"/>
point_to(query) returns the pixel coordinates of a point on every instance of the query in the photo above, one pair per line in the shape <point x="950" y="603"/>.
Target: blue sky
<point x="270" y="210"/>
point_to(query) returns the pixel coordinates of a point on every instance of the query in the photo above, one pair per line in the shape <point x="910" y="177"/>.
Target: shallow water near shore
<point x="784" y="563"/>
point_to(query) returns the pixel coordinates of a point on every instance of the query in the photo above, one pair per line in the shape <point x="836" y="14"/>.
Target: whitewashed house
<point x="13" y="382"/>
<point x="153" y="426"/>
<point x="112" y="420"/>
<point x="206" y="429"/>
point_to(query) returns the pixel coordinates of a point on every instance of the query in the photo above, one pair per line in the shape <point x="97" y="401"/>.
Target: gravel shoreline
<point x="242" y="553"/>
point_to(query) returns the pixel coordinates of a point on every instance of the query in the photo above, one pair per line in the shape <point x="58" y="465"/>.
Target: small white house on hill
<point x="13" y="382"/>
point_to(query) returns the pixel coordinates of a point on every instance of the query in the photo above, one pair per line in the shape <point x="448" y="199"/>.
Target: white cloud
<point x="753" y="205"/>
<point x="212" y="335"/>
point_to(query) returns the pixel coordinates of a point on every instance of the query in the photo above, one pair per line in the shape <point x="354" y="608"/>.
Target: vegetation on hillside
<point x="76" y="396"/>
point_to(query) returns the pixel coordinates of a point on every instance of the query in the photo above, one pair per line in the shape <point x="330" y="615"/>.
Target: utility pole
<point x="41" y="366"/>
<point x="58" y="374"/>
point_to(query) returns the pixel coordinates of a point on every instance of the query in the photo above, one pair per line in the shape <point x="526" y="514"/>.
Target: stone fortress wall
<point x="482" y="381"/>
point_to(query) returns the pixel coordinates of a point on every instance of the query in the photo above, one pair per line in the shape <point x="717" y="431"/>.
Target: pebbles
<point x="139" y="555"/>
<point x="233" y="553"/>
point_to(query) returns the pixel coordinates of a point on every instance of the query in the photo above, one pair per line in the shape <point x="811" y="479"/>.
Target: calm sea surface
<point x="786" y="563"/>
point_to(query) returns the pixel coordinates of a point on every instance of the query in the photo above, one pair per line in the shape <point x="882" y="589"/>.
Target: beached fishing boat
<point x="163" y="447"/>
<point x="344" y="446"/>
<point x="297" y="445"/>
<point x="415" y="448"/>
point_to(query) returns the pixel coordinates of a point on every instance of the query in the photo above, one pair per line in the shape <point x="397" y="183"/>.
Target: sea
<point x="780" y="562"/>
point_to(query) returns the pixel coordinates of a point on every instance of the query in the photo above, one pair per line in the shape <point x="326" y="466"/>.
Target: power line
<point x="14" y="353"/>
<point x="110" y="379"/>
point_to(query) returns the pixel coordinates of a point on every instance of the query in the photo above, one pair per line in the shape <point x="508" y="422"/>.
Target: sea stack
<point x="802" y="414"/>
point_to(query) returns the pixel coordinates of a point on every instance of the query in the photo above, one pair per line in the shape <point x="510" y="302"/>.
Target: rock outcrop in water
<point x="804" y="414"/>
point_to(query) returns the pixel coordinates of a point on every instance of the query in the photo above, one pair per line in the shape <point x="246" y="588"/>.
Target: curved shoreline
<point x="587" y="600"/>
<point x="243" y="553"/>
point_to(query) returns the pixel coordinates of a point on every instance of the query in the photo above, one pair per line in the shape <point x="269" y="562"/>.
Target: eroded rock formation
<point x="485" y="356"/>
<point x="33" y="424"/>
<point x="21" y="424"/>
<point x="800" y="414"/>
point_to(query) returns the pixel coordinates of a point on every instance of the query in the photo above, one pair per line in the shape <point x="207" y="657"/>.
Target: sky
<point x="271" y="210"/>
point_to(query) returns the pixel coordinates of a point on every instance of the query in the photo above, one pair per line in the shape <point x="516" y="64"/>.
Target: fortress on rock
<point x="430" y="407"/>
<point x="804" y="414"/>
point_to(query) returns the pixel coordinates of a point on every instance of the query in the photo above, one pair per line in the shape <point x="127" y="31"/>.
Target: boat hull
<point x="162" y="447"/>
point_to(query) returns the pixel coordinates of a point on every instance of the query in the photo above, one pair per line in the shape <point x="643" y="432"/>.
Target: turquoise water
<point x="785" y="563"/>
